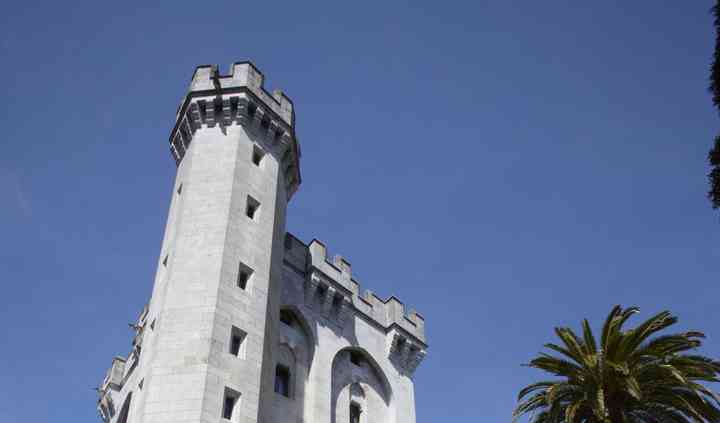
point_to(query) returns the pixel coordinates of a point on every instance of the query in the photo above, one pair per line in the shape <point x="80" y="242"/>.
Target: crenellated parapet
<point x="239" y="99"/>
<point x="331" y="291"/>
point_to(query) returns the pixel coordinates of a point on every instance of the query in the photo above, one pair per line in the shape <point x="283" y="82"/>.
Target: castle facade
<point x="246" y="322"/>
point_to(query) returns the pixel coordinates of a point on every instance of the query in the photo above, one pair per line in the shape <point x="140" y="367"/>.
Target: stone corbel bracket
<point x="328" y="298"/>
<point x="239" y="99"/>
<point x="405" y="353"/>
<point x="113" y="382"/>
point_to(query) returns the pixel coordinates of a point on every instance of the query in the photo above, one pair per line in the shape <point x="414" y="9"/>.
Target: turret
<point x="212" y="318"/>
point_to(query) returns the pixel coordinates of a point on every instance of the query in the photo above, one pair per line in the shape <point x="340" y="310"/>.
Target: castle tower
<point x="246" y="323"/>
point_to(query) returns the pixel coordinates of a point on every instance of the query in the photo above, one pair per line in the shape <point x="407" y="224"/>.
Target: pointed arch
<point x="358" y="378"/>
<point x="305" y="329"/>
<point x="294" y="352"/>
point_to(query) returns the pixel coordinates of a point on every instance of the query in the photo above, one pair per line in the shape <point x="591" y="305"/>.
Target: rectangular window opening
<point x="179" y="190"/>
<point x="282" y="380"/>
<point x="252" y="208"/>
<point x="165" y="260"/>
<point x="237" y="342"/>
<point x="354" y="413"/>
<point x="230" y="405"/>
<point x="257" y="155"/>
<point x="245" y="273"/>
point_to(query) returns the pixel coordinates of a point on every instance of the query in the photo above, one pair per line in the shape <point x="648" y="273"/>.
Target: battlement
<point x="336" y="275"/>
<point x="243" y="75"/>
<point x="239" y="98"/>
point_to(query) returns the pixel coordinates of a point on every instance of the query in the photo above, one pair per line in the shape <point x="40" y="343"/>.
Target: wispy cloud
<point x="11" y="184"/>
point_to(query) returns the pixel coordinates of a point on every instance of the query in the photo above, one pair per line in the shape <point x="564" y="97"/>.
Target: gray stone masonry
<point x="246" y="323"/>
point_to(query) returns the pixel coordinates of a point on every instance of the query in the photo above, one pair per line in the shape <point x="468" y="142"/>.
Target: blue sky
<point x="502" y="166"/>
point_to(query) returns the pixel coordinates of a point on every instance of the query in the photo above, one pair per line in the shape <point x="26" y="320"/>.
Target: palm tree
<point x="714" y="153"/>
<point x="631" y="377"/>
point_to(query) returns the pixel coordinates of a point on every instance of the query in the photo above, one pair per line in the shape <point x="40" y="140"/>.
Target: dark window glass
<point x="257" y="156"/>
<point x="243" y="279"/>
<point x="235" y="345"/>
<point x="282" y="381"/>
<point x="251" y="208"/>
<point x="228" y="406"/>
<point x="354" y="413"/>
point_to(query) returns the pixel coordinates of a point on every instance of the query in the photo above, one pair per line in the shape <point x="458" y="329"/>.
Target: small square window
<point x="251" y="210"/>
<point x="230" y="410"/>
<point x="237" y="342"/>
<point x="257" y="155"/>
<point x="282" y="380"/>
<point x="244" y="275"/>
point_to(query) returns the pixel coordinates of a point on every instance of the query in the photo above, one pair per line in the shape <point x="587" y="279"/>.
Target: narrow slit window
<point x="231" y="400"/>
<point x="165" y="260"/>
<point x="179" y="190"/>
<point x="257" y="155"/>
<point x="228" y="406"/>
<point x="245" y="273"/>
<point x="282" y="380"/>
<point x="252" y="208"/>
<point x="237" y="342"/>
<point x="354" y="413"/>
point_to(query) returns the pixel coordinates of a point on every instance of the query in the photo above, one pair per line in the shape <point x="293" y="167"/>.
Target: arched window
<point x="293" y="355"/>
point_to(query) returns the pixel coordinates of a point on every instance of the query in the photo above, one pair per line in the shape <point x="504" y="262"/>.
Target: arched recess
<point x="294" y="353"/>
<point x="125" y="410"/>
<point x="358" y="381"/>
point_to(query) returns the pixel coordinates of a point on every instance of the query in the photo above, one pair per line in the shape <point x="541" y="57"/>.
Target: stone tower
<point x="246" y="323"/>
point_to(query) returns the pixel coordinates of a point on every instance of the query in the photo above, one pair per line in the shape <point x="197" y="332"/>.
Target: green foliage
<point x="714" y="154"/>
<point x="631" y="376"/>
<point x="714" y="175"/>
